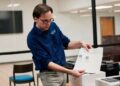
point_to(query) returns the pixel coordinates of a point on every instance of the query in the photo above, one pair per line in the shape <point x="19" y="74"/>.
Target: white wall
<point x="17" y="42"/>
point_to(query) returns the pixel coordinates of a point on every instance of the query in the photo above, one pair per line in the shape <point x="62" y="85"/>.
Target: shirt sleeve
<point x="39" y="54"/>
<point x="65" y="39"/>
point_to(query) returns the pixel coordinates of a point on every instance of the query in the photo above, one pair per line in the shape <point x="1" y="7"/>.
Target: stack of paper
<point x="90" y="61"/>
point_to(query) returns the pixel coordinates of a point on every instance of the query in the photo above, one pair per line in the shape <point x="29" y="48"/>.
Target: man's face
<point x="44" y="21"/>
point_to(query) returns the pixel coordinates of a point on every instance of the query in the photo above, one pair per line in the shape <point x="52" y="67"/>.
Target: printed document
<point x="90" y="61"/>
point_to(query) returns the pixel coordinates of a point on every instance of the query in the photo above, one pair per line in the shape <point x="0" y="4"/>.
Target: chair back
<point x="22" y="68"/>
<point x="20" y="78"/>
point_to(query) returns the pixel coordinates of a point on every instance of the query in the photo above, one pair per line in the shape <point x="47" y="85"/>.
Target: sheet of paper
<point x="89" y="61"/>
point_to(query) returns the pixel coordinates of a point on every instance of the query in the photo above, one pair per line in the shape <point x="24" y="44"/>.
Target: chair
<point x="21" y="74"/>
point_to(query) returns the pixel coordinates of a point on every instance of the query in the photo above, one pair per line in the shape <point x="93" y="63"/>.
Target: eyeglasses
<point x="47" y="20"/>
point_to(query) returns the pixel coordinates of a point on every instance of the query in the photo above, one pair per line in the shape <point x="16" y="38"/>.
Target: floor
<point x="6" y="72"/>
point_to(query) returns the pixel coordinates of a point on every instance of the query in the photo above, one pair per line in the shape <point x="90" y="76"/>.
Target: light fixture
<point x="16" y="5"/>
<point x="78" y="11"/>
<point x="85" y="15"/>
<point x="74" y="12"/>
<point x="118" y="4"/>
<point x="116" y="11"/>
<point x="101" y="7"/>
<point x="13" y="5"/>
<point x="83" y="11"/>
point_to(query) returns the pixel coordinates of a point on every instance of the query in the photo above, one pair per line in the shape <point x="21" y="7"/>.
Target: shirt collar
<point x="37" y="30"/>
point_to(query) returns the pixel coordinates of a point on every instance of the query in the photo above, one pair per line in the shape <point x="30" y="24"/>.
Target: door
<point x="107" y="26"/>
<point x="107" y="29"/>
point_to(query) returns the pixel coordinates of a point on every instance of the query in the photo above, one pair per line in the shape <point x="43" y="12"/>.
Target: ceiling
<point x="111" y="7"/>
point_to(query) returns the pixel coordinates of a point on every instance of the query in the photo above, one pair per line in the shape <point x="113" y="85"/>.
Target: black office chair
<point x="21" y="74"/>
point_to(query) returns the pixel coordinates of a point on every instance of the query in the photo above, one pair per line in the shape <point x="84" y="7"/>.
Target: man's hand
<point x="77" y="73"/>
<point x="86" y="46"/>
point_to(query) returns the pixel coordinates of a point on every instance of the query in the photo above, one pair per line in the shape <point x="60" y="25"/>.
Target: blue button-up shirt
<point x="47" y="46"/>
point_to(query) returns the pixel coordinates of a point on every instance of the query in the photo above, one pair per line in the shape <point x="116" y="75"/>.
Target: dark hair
<point x="41" y="9"/>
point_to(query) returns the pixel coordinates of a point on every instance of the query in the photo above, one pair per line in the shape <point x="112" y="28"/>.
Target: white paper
<point x="90" y="61"/>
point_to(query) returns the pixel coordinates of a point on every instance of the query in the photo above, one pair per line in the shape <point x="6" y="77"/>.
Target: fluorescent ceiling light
<point x="101" y="7"/>
<point x="82" y="11"/>
<point x="78" y="11"/>
<point x="85" y="15"/>
<point x="117" y="4"/>
<point x="74" y="12"/>
<point x="14" y="5"/>
<point x="116" y="11"/>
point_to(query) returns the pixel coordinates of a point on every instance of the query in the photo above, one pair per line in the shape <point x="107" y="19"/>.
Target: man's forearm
<point x="56" y="67"/>
<point x="59" y="68"/>
<point x="74" y="45"/>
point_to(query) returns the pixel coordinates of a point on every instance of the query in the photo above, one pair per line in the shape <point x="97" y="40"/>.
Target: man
<point x="47" y="44"/>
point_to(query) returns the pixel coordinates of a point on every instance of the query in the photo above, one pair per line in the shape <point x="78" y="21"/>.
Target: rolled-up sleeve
<point x="65" y="39"/>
